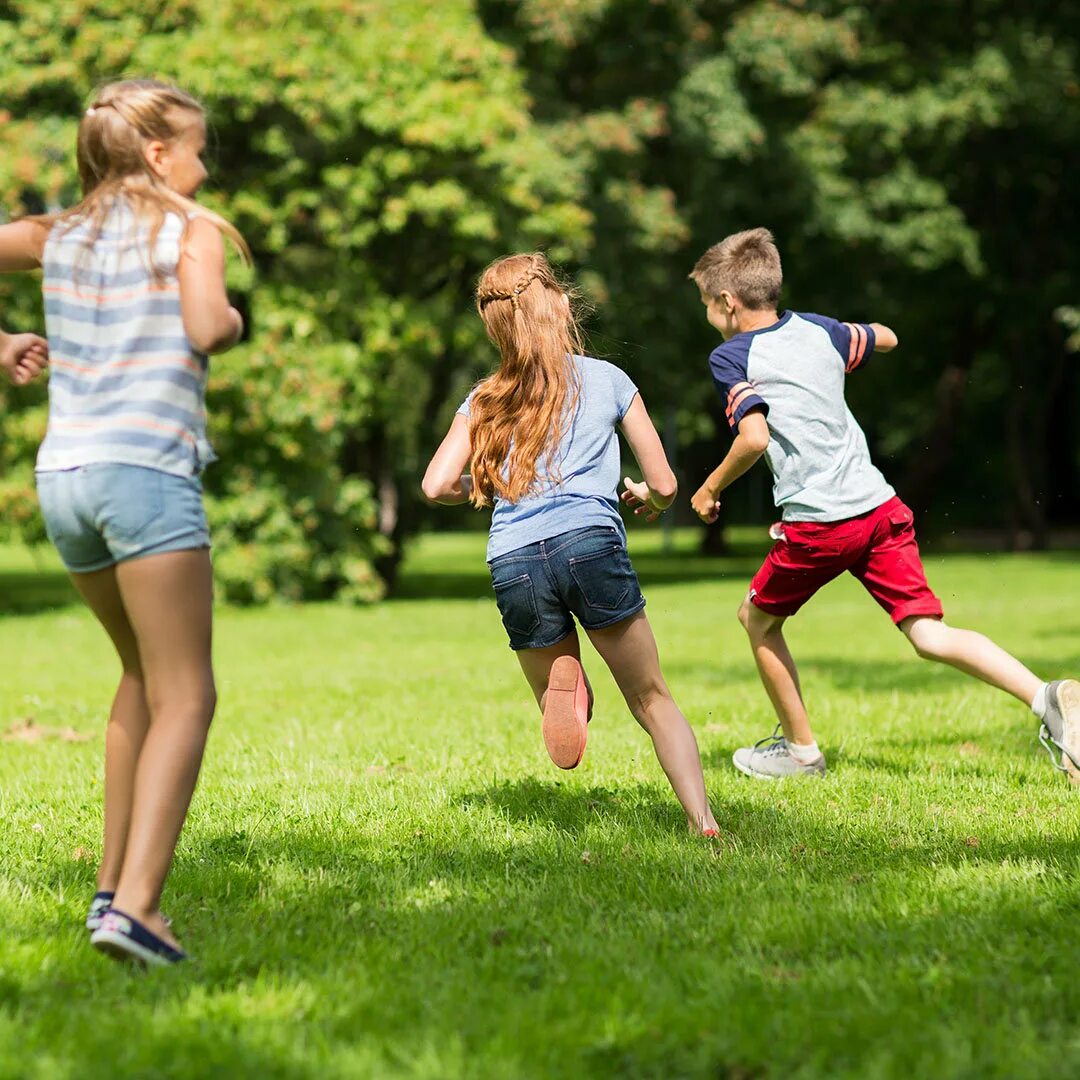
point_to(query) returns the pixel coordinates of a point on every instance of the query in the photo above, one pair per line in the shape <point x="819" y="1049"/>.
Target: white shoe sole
<point x="747" y="771"/>
<point x="1069" y="700"/>
<point x="121" y="947"/>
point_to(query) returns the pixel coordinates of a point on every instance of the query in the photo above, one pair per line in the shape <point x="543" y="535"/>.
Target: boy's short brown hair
<point x="745" y="264"/>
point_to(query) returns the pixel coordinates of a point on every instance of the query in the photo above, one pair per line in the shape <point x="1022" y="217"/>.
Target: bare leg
<point x="972" y="653"/>
<point x="536" y="664"/>
<point x="169" y="602"/>
<point x="128" y="720"/>
<point x="629" y="650"/>
<point x="776" y="666"/>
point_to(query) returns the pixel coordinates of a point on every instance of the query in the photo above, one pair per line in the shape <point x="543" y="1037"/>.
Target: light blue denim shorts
<point x="99" y="515"/>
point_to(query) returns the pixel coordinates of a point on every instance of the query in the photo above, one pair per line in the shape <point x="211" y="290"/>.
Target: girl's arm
<point x="657" y="491"/>
<point x="22" y="247"/>
<point x="445" y="481"/>
<point x="211" y="323"/>
<point x="23" y="356"/>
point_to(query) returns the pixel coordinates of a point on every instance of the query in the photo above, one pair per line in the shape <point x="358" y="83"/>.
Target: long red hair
<point x="517" y="415"/>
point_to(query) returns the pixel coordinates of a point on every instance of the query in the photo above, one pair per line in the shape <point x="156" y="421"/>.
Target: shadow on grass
<point x="490" y="950"/>
<point x="539" y="802"/>
<point x="27" y="592"/>
<point x="473" y="582"/>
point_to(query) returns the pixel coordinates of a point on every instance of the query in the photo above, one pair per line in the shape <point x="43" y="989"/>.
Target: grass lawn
<point x="383" y="875"/>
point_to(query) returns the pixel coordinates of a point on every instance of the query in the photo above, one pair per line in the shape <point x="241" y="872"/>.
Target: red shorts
<point x="879" y="548"/>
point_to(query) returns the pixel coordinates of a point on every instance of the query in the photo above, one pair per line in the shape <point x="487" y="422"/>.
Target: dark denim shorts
<point x="585" y="573"/>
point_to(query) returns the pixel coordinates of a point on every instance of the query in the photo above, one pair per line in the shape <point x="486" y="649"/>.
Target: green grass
<point x="383" y="876"/>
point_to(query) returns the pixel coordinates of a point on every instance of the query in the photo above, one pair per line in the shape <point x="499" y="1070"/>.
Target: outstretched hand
<point x="23" y="356"/>
<point x="706" y="505"/>
<point x="636" y="496"/>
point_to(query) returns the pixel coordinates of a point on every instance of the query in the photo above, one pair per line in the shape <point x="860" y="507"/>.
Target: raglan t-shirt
<point x="586" y="466"/>
<point x="794" y="372"/>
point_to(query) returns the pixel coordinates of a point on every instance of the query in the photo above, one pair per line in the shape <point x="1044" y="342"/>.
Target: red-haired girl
<point x="540" y="433"/>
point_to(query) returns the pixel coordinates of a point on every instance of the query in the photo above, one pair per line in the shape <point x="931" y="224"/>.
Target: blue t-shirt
<point x="794" y="371"/>
<point x="587" y="463"/>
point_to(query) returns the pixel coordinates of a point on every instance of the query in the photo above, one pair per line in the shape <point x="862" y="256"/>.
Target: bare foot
<point x="706" y="827"/>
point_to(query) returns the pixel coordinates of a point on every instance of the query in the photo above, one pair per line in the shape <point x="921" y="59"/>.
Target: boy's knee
<point x="927" y="636"/>
<point x="757" y="623"/>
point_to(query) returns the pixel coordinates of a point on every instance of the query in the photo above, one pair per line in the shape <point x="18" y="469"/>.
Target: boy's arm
<point x="445" y="481"/>
<point x="750" y="443"/>
<point x="885" y="340"/>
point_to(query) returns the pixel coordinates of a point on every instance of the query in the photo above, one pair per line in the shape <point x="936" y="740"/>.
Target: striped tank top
<point x="125" y="384"/>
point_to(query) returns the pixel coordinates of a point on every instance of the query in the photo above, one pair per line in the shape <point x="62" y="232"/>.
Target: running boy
<point x="539" y="437"/>
<point x="782" y="379"/>
<point x="133" y="279"/>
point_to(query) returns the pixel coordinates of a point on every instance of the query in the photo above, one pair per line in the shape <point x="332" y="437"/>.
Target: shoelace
<point x="1049" y="743"/>
<point x="772" y="744"/>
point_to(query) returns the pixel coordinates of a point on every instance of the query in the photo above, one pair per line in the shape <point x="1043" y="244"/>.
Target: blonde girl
<point x="540" y="434"/>
<point x="135" y="301"/>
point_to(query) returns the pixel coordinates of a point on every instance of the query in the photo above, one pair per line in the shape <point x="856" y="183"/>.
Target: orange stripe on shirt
<point x="163" y="362"/>
<point x="738" y="388"/>
<point x="862" y="346"/>
<point x="59" y="423"/>
<point x="858" y="346"/>
<point x="733" y="407"/>
<point x="851" y="346"/>
<point x="111" y="298"/>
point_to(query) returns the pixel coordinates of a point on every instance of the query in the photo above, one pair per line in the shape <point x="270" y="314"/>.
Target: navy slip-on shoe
<point x="98" y="906"/>
<point x="124" y="938"/>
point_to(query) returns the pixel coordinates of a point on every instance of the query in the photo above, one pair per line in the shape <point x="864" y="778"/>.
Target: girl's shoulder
<point x="603" y="371"/>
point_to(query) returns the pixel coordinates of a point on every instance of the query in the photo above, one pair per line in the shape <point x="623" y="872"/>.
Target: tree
<point x="375" y="156"/>
<point x="913" y="161"/>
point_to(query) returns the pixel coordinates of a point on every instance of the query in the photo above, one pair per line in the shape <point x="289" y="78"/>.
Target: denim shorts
<point x="585" y="573"/>
<point x="99" y="515"/>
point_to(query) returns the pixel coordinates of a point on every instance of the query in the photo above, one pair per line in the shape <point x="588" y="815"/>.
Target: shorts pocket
<point x="604" y="578"/>
<point x="901" y="518"/>
<point x="56" y="506"/>
<point x="132" y="498"/>
<point x="517" y="604"/>
<point x="812" y="545"/>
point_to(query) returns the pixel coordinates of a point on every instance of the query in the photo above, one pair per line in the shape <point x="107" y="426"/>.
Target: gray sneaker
<point x="769" y="759"/>
<point x="1060" y="731"/>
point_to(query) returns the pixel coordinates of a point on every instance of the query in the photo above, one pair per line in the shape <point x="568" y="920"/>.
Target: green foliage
<point x="916" y="171"/>
<point x="375" y="156"/>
